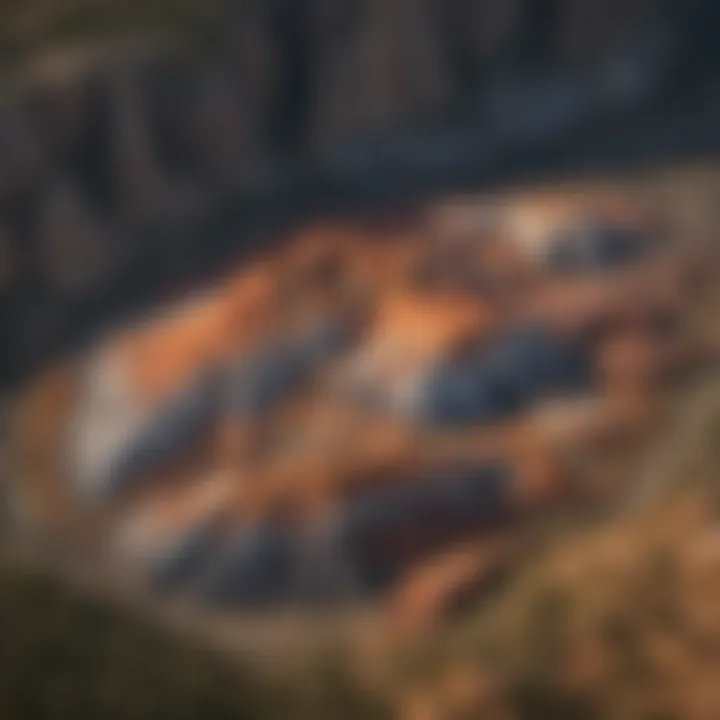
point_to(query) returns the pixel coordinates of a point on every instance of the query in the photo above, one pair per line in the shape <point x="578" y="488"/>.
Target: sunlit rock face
<point x="107" y="421"/>
<point x="143" y="396"/>
<point x="409" y="337"/>
<point x="354" y="402"/>
<point x="114" y="438"/>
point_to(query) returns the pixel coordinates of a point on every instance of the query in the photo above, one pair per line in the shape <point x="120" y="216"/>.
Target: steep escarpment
<point x="130" y="166"/>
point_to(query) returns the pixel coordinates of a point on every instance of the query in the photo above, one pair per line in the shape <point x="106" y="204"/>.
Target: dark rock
<point x="173" y="429"/>
<point x="256" y="383"/>
<point x="255" y="566"/>
<point x="505" y="376"/>
<point x="595" y="245"/>
<point x="383" y="531"/>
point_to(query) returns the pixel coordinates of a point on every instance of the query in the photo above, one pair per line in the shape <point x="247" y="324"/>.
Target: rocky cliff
<point x="127" y="167"/>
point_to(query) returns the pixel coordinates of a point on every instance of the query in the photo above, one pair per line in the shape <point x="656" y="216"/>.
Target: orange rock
<point x="421" y="324"/>
<point x="443" y="586"/>
<point x="39" y="485"/>
<point x="630" y="359"/>
<point x="539" y="479"/>
<point x="165" y="355"/>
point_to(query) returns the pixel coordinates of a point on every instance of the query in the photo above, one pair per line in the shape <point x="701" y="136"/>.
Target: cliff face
<point x="113" y="160"/>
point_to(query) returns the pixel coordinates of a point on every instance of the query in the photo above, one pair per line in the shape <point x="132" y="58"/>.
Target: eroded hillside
<point x="337" y="420"/>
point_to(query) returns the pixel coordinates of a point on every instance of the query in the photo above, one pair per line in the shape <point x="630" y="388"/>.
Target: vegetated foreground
<point x="65" y="655"/>
<point x="389" y="411"/>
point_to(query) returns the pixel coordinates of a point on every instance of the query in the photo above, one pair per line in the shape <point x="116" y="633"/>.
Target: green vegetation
<point x="65" y="656"/>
